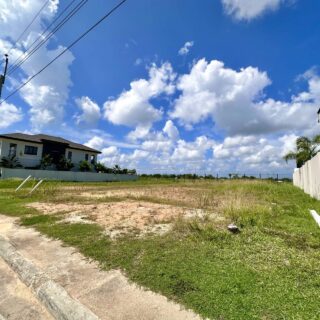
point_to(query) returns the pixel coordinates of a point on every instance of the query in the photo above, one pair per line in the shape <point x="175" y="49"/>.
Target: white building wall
<point x="25" y="159"/>
<point x="79" y="155"/>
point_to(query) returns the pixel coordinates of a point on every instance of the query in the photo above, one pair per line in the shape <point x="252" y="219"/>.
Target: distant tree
<point x="132" y="171"/>
<point x="306" y="149"/>
<point x="10" y="162"/>
<point x="116" y="169"/>
<point x="100" y="167"/>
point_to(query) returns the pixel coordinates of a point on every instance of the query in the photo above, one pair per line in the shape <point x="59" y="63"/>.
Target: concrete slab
<point x="109" y="295"/>
<point x="16" y="300"/>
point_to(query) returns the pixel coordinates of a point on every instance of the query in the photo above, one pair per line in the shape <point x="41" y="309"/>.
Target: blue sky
<point x="211" y="86"/>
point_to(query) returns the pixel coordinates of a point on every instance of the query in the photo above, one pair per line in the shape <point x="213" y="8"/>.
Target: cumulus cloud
<point x="10" y="114"/>
<point x="96" y="143"/>
<point x="186" y="48"/>
<point x="171" y="130"/>
<point x="253" y="154"/>
<point x="257" y="130"/>
<point x="46" y="94"/>
<point x="15" y="14"/>
<point x="236" y="103"/>
<point x="90" y="111"/>
<point x="133" y="107"/>
<point x="186" y="151"/>
<point x="250" y="9"/>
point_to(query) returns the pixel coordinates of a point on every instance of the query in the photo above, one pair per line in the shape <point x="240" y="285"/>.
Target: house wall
<point x="25" y="159"/>
<point x="79" y="155"/>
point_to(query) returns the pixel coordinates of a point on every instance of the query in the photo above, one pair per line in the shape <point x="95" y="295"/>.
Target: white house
<point x="29" y="149"/>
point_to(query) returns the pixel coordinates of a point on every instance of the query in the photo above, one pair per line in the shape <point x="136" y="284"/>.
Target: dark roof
<point x="40" y="138"/>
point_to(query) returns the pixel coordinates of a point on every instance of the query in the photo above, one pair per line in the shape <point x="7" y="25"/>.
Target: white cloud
<point x="140" y="132"/>
<point x="133" y="107"/>
<point x="16" y="14"/>
<point x="250" y="9"/>
<point x="186" y="48"/>
<point x="234" y="100"/>
<point x="96" y="143"/>
<point x="247" y="154"/>
<point x="212" y="90"/>
<point x="171" y="130"/>
<point x="48" y="92"/>
<point x="186" y="151"/>
<point x="10" y="114"/>
<point x="110" y="151"/>
<point x="90" y="111"/>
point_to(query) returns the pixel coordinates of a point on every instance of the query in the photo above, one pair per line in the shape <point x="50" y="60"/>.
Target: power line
<point x="44" y="31"/>
<point x="30" y="24"/>
<point x="26" y="56"/>
<point x="66" y="49"/>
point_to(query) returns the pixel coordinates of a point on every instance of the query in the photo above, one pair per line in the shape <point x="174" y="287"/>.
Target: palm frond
<point x="290" y="156"/>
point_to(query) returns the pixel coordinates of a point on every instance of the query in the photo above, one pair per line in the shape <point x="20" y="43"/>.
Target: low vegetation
<point x="270" y="270"/>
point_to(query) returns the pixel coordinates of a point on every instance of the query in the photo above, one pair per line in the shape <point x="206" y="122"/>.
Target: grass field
<point x="171" y="236"/>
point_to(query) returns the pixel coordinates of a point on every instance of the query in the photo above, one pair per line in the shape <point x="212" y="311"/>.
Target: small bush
<point x="45" y="162"/>
<point x="100" y="167"/>
<point x="85" y="166"/>
<point x="10" y="162"/>
<point x="64" y="164"/>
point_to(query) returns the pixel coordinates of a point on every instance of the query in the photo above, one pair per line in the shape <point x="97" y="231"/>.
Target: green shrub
<point x="100" y="167"/>
<point x="85" y="166"/>
<point x="64" y="164"/>
<point x="10" y="162"/>
<point x="46" y="161"/>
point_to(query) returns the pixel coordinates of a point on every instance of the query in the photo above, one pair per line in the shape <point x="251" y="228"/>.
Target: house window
<point x="87" y="157"/>
<point x="12" y="150"/>
<point x="93" y="159"/>
<point x="31" y="150"/>
<point x="69" y="155"/>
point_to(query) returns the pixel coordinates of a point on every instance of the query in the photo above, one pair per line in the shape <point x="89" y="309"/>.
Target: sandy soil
<point x="117" y="217"/>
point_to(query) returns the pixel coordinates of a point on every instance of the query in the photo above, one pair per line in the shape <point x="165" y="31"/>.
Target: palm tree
<point x="306" y="149"/>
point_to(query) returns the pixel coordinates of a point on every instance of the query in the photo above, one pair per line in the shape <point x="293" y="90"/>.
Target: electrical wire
<point x="30" y="24"/>
<point x="109" y="13"/>
<point x="43" y="33"/>
<point x="39" y="45"/>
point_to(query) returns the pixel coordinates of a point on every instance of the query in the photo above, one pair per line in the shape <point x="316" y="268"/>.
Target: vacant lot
<point x="171" y="236"/>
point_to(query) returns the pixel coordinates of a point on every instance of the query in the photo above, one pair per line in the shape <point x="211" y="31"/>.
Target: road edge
<point x="54" y="297"/>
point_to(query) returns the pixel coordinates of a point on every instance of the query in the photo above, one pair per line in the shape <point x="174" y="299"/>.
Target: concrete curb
<point x="55" y="298"/>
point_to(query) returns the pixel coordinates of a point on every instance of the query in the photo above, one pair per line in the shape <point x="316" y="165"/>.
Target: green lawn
<point x="270" y="270"/>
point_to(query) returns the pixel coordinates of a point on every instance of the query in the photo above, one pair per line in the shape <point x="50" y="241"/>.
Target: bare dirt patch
<point x="116" y="217"/>
<point x="119" y="218"/>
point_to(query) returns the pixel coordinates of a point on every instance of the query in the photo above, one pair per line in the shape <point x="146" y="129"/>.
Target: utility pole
<point x="3" y="77"/>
